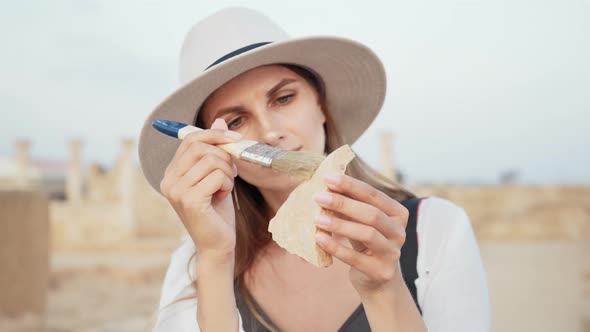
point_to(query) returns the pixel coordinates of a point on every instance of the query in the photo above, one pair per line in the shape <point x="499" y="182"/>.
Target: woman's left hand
<point x="374" y="223"/>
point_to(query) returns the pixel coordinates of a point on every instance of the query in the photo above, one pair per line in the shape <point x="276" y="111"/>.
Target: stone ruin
<point x="100" y="208"/>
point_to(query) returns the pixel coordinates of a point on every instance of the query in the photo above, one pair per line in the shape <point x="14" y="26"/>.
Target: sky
<point x="475" y="88"/>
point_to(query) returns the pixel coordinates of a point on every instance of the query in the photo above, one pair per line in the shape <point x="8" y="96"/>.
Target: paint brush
<point x="295" y="163"/>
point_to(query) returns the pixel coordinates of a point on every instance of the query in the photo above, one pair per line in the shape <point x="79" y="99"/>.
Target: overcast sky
<point x="475" y="87"/>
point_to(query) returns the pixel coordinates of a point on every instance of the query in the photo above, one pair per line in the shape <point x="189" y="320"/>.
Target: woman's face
<point x="271" y="105"/>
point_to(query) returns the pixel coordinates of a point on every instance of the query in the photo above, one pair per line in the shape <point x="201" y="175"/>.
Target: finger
<point x="204" y="167"/>
<point x="364" y="192"/>
<point x="371" y="238"/>
<point x="213" y="187"/>
<point x="212" y="183"/>
<point x="209" y="136"/>
<point x="191" y="140"/>
<point x="369" y="265"/>
<point x="399" y="233"/>
<point x="347" y="255"/>
<point x="225" y="189"/>
<point x="357" y="211"/>
<point x="220" y="124"/>
<point x="196" y="152"/>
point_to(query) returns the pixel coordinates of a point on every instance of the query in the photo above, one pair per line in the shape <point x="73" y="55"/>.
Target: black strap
<point x="237" y="52"/>
<point x="249" y="322"/>
<point x="409" y="254"/>
<point x="358" y="321"/>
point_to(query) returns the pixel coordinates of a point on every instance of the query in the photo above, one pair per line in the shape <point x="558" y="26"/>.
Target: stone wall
<point x="24" y="255"/>
<point x="117" y="206"/>
<point x="519" y="212"/>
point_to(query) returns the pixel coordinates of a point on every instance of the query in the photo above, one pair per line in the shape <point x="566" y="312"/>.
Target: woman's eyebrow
<point x="279" y="85"/>
<point x="236" y="109"/>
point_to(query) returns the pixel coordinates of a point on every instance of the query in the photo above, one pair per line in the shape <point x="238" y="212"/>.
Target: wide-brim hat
<point x="235" y="40"/>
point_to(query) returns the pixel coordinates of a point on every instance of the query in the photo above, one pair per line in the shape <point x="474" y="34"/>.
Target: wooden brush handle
<point x="180" y="130"/>
<point x="235" y="149"/>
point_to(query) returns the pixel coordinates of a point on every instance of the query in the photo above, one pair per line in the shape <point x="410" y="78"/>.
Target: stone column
<point x="127" y="183"/>
<point x="74" y="175"/>
<point x="386" y="144"/>
<point x="24" y="257"/>
<point x="23" y="163"/>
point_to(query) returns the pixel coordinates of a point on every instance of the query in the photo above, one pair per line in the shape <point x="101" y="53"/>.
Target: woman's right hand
<point x="198" y="184"/>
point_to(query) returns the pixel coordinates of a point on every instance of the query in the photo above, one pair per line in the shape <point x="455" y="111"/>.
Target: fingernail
<point x="235" y="168"/>
<point x="321" y="238"/>
<point x="332" y="178"/>
<point x="218" y="122"/>
<point x="322" y="219"/>
<point x="323" y="198"/>
<point x="233" y="134"/>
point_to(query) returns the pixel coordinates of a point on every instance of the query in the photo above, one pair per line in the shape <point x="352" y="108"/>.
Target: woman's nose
<point x="272" y="132"/>
<point x="272" y="138"/>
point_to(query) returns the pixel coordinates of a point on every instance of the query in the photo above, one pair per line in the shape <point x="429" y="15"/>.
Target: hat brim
<point x="353" y="77"/>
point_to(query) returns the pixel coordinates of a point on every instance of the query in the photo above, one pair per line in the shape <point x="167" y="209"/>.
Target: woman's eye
<point x="284" y="99"/>
<point x="235" y="123"/>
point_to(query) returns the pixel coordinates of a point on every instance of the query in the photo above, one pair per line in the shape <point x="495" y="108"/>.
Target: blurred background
<point x="487" y="106"/>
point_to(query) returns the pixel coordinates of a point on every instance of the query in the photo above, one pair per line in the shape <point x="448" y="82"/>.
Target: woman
<point x="311" y="94"/>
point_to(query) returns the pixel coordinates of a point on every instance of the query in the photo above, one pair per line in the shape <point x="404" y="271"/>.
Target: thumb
<point x="219" y="123"/>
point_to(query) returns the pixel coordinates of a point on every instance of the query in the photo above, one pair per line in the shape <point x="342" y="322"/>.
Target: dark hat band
<point x="237" y="52"/>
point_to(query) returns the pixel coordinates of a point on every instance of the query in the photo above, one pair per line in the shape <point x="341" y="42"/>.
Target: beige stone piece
<point x="293" y="226"/>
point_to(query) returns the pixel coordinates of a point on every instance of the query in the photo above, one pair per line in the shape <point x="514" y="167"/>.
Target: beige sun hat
<point x="234" y="40"/>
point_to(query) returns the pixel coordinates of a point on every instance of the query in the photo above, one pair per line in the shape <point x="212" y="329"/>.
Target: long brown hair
<point x="252" y="222"/>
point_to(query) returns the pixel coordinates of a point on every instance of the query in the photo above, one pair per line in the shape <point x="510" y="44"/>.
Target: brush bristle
<point x="298" y="164"/>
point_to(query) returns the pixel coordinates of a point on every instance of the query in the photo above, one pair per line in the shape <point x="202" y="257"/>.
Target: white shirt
<point x="451" y="284"/>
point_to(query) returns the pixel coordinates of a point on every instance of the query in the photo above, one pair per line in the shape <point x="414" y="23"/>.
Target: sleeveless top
<point x="357" y="322"/>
